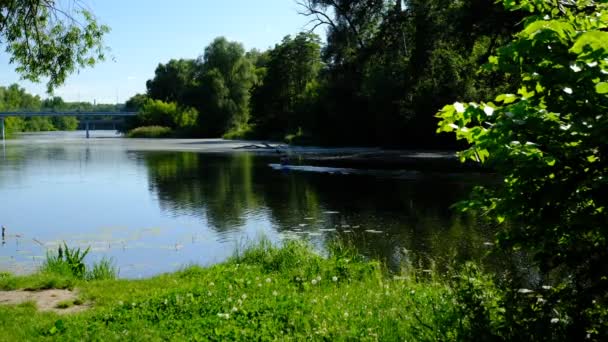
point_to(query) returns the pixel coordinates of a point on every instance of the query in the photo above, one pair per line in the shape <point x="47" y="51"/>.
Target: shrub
<point x="168" y="114"/>
<point x="240" y="132"/>
<point x="150" y="132"/>
<point x="67" y="261"/>
<point x="550" y="143"/>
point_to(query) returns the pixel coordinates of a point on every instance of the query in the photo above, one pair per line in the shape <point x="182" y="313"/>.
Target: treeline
<point x="15" y="98"/>
<point x="384" y="71"/>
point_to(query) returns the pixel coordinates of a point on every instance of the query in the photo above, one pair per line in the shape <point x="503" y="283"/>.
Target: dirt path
<point x="46" y="300"/>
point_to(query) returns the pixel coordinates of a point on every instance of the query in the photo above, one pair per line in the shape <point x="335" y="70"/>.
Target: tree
<point x="225" y="78"/>
<point x="173" y="81"/>
<point x="391" y="64"/>
<point x="291" y="72"/>
<point x="136" y="102"/>
<point x="48" y="42"/>
<point x="550" y="143"/>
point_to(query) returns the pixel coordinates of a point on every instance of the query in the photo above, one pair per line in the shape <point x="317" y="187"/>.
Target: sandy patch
<point x="46" y="300"/>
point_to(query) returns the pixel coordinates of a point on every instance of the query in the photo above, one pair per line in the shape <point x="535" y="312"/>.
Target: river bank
<point x="262" y="293"/>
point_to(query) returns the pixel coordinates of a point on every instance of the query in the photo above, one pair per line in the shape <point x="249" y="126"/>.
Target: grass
<point x="150" y="132"/>
<point x="262" y="293"/>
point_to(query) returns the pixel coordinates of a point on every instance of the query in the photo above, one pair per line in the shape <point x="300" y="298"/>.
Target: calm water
<point x="156" y="211"/>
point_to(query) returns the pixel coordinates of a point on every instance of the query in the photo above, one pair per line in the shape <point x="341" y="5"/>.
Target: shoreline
<point x="341" y="157"/>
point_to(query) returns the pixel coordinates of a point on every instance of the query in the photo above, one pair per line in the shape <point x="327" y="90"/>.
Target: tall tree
<point x="225" y="77"/>
<point x="173" y="81"/>
<point x="291" y="72"/>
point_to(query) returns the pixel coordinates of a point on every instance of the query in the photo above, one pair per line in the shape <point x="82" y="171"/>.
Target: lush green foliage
<point x="268" y="293"/>
<point x="150" y="132"/>
<point x="550" y="141"/>
<point x="380" y="77"/>
<point x="217" y="85"/>
<point x="281" y="102"/>
<point x="155" y="112"/>
<point x="48" y="41"/>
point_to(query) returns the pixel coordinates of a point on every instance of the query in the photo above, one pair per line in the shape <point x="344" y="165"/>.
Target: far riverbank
<point x="346" y="157"/>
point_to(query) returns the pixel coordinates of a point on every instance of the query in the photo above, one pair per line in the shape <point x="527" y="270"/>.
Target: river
<point x="155" y="208"/>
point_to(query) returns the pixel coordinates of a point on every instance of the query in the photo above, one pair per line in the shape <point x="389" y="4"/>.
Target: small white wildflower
<point x="568" y="90"/>
<point x="546" y="17"/>
<point x="229" y="299"/>
<point x="488" y="110"/>
<point x="209" y="293"/>
<point x="314" y="281"/>
<point x="166" y="301"/>
<point x="575" y="68"/>
<point x="223" y="315"/>
<point x="244" y="296"/>
<point x="524" y="291"/>
<point x="298" y="279"/>
<point x="234" y="309"/>
<point x="275" y="293"/>
<point x="554" y="320"/>
<point x="230" y="286"/>
<point x="565" y="127"/>
<point x="314" y="301"/>
<point x="546" y="287"/>
<point x="412" y="292"/>
<point x="346" y="314"/>
<point x="318" y="278"/>
<point x="334" y="279"/>
<point x="259" y="284"/>
<point x="459" y="107"/>
<point x="211" y="284"/>
<point x="268" y="280"/>
<point x="239" y="302"/>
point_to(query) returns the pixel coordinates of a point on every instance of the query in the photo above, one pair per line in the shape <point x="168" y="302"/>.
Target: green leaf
<point x="602" y="88"/>
<point x="590" y="42"/>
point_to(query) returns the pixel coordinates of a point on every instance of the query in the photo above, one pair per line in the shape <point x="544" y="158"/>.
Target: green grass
<point x="103" y="270"/>
<point x="262" y="293"/>
<point x="150" y="132"/>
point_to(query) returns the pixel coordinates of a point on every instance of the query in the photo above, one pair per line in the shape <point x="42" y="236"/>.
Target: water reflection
<point x="155" y="211"/>
<point x="383" y="217"/>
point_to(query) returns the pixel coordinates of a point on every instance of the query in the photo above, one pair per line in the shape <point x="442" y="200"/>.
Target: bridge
<point x="80" y="114"/>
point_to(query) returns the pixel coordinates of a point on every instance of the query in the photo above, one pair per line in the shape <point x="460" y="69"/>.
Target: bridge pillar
<point x="2" y="127"/>
<point x="87" y="127"/>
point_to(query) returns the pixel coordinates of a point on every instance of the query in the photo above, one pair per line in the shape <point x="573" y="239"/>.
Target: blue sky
<point x="147" y="32"/>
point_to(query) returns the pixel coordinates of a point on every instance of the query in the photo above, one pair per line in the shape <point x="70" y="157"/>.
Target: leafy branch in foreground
<point x="550" y="142"/>
<point x="47" y="41"/>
